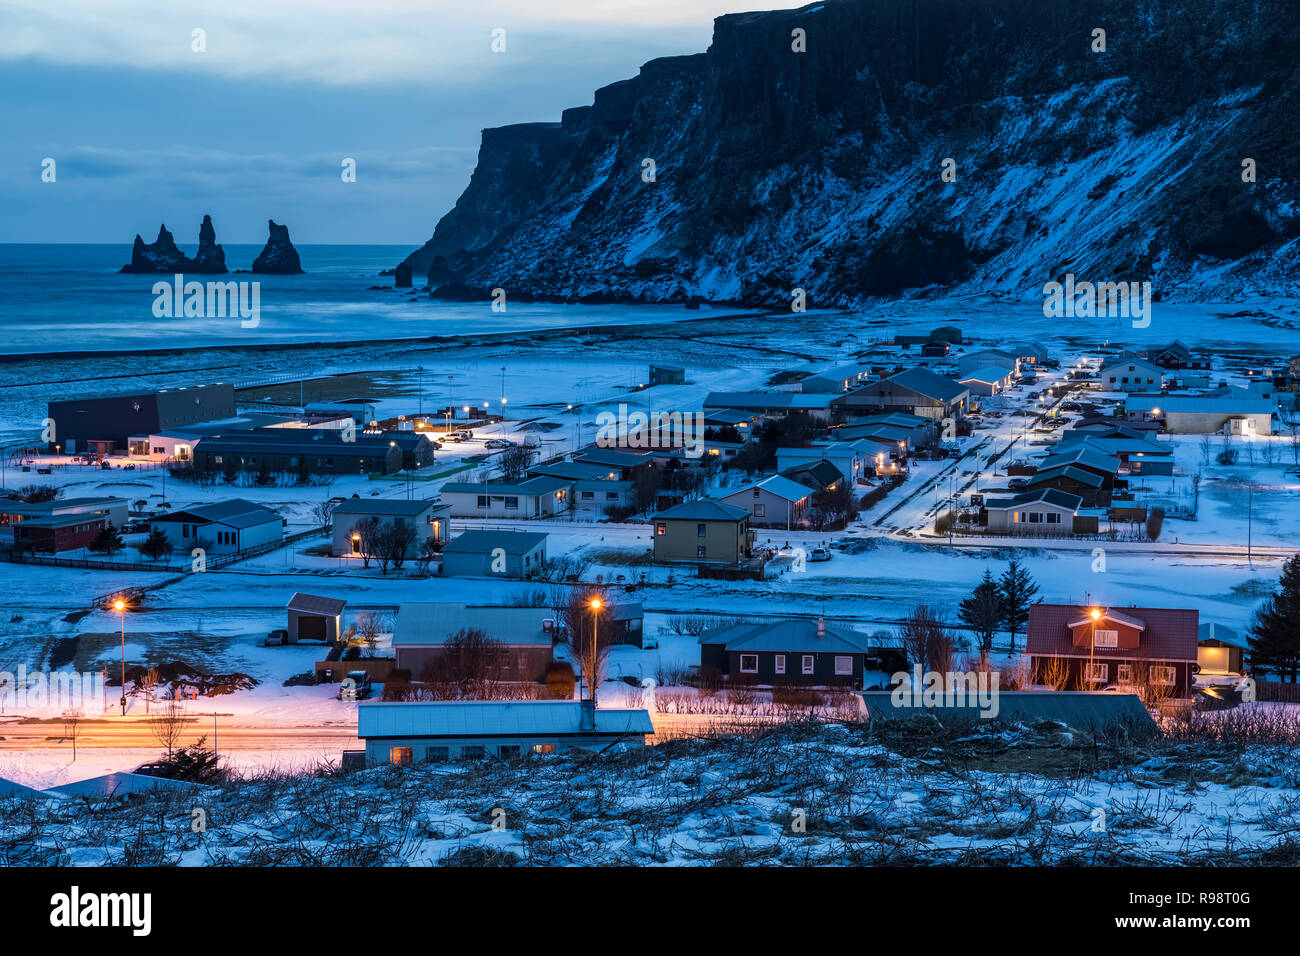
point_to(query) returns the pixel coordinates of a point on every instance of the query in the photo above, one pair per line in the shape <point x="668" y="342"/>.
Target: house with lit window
<point x="1076" y="647"/>
<point x="410" y="732"/>
<point x="539" y="497"/>
<point x="798" y="651"/>
<point x="430" y="518"/>
<point x="60" y="525"/>
<point x="1131" y="374"/>
<point x="774" y="502"/>
<point x="1045" y="511"/>
<point x="704" y="531"/>
<point x="222" y="526"/>
<point x="522" y="639"/>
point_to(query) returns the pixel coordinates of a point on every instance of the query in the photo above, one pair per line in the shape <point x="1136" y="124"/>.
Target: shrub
<point x="1155" y="521"/>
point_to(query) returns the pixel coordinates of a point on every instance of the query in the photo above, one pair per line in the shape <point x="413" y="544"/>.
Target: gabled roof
<point x="1115" y="617"/>
<point x="822" y="472"/>
<point x="399" y="507"/>
<point x="702" y="509"/>
<point x="425" y="625"/>
<point x="120" y="784"/>
<point x="989" y="375"/>
<point x="897" y="419"/>
<point x="797" y="635"/>
<point x="573" y="470"/>
<point x="481" y="542"/>
<point x="1051" y="496"/>
<point x="610" y="456"/>
<point x="1083" y="455"/>
<point x="1213" y="631"/>
<point x="927" y="383"/>
<point x="1170" y="633"/>
<point x="778" y="485"/>
<point x="235" y="513"/>
<point x="492" y="718"/>
<point x="540" y="485"/>
<point x="1084" y="477"/>
<point x="315" y="604"/>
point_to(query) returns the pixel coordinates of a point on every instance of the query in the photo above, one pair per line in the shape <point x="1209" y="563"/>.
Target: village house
<point x="1046" y="511"/>
<point x="816" y="405"/>
<point x="220" y="526"/>
<point x="416" y="447"/>
<point x="1097" y="647"/>
<point x="1131" y="375"/>
<point x="522" y="638"/>
<point x="1137" y="453"/>
<point x="730" y="418"/>
<point x="849" y="458"/>
<point x="627" y="463"/>
<point x="703" y="531"/>
<point x="667" y="375"/>
<point x="403" y="733"/>
<point x="540" y="497"/>
<point x="1082" y="455"/>
<point x="840" y="379"/>
<point x="906" y="430"/>
<point x="989" y="380"/>
<point x="429" y="517"/>
<point x="51" y="527"/>
<point x="1175" y="355"/>
<point x="495" y="554"/>
<point x="775" y="502"/>
<point x="1227" y="411"/>
<point x="988" y="358"/>
<point x="1087" y="485"/>
<point x="818" y="475"/>
<point x="797" y="651"/>
<point x="917" y="391"/>
<point x="944" y="333"/>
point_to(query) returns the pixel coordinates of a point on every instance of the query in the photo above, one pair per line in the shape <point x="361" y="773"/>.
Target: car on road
<point x="498" y="443"/>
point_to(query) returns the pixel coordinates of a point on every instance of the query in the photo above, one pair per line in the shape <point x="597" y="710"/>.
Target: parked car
<point x="277" y="638"/>
<point x="498" y="443"/>
<point x="1018" y="484"/>
<point x="356" y="686"/>
<point x="463" y="435"/>
<point x="820" y="554"/>
<point x="155" y="768"/>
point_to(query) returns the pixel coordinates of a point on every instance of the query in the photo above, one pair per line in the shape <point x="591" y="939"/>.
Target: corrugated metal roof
<point x="315" y="604"/>
<point x="779" y="485"/>
<point x="794" y="635"/>
<point x="987" y="376"/>
<point x="236" y="513"/>
<point x="1078" y="709"/>
<point x="387" y="506"/>
<point x="482" y="718"/>
<point x="1052" y="496"/>
<point x="116" y="784"/>
<point x="481" y="542"/>
<point x="420" y="624"/>
<point x="702" y="509"/>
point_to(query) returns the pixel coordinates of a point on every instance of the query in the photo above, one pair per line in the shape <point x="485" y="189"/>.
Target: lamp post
<point x="1095" y="614"/>
<point x="120" y="607"/>
<point x="596" y="605"/>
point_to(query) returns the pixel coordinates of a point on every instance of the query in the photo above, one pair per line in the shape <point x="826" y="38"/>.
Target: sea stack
<point x="278" y="257"/>
<point x="163" y="256"/>
<point x="402" y="276"/>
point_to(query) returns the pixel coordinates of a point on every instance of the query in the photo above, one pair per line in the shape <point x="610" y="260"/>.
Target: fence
<point x="1272" y="690"/>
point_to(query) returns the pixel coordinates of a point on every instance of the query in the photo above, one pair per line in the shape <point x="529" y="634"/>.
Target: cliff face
<point x="821" y="170"/>
<point x="162" y="255"/>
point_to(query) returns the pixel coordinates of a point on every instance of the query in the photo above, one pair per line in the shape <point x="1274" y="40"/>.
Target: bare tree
<point x="168" y="726"/>
<point x="365" y="535"/>
<point x="323" y="512"/>
<point x="393" y="543"/>
<point x="515" y="462"/>
<point x="926" y="639"/>
<point x="71" y="723"/>
<point x="369" y="626"/>
<point x="149" y="684"/>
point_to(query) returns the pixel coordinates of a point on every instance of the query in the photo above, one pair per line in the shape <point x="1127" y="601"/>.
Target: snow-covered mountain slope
<point x="822" y="170"/>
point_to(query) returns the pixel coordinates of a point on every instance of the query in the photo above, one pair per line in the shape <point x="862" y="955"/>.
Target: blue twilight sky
<point x="143" y="129"/>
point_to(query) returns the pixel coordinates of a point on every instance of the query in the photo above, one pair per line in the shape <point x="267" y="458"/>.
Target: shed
<point x="495" y="554"/>
<point x="315" y="618"/>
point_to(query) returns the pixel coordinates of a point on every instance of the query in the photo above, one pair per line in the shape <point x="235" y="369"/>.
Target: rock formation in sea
<point x="278" y="257"/>
<point x="162" y="255"/>
<point x="402" y="276"/>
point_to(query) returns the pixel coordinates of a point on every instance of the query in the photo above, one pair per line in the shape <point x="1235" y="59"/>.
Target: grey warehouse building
<point x="104" y="423"/>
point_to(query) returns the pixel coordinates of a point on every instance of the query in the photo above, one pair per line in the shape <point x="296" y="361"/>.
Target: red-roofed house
<point x="1121" y="646"/>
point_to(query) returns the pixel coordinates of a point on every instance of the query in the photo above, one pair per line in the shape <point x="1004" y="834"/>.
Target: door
<point x="311" y="627"/>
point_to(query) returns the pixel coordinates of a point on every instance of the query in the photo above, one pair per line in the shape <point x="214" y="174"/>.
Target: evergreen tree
<point x="156" y="545"/>
<point x="1275" y="631"/>
<point x="108" y="541"/>
<point x="982" y="612"/>
<point x="1018" y="591"/>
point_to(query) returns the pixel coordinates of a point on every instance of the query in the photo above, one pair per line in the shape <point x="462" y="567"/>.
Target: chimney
<point x="587" y="717"/>
<point x="821" y="627"/>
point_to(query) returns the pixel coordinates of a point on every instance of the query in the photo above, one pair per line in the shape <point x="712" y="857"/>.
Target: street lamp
<point x="1095" y="614"/>
<point x="596" y="605"/>
<point x="120" y="607"/>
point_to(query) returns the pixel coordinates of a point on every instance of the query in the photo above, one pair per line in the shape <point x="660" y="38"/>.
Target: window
<point x="588" y="495"/>
<point x="843" y="665"/>
<point x="1124" y="673"/>
<point x="512" y="501"/>
<point x="1053" y="517"/>
<point x="508" y="751"/>
<point x="435" y="753"/>
<point x="701" y="530"/>
<point x="543" y="748"/>
<point x="482" y="501"/>
<point x="760" y="510"/>
<point x="749" y="663"/>
<point x="1105" y="638"/>
<point x="701" y="551"/>
<point x="1095" y="673"/>
<point x="472" y="752"/>
<point x="611" y="496"/>
<point x="779" y="662"/>
<point x="1163" y="674"/>
<point x="808" y="660"/>
<point x="661" y="528"/>
<point x="400" y="756"/>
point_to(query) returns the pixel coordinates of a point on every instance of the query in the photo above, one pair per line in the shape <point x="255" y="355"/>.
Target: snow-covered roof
<point x="702" y="509"/>
<point x="492" y="718"/>
<point x="432" y="624"/>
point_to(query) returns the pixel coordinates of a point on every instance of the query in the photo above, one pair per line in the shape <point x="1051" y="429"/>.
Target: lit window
<point x="1106" y="638"/>
<point x="1163" y="674"/>
<point x="1095" y="673"/>
<point x="400" y="756"/>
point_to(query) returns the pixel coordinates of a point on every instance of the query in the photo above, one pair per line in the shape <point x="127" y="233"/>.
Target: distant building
<point x="667" y="375"/>
<point x="403" y="733"/>
<point x="988" y="358"/>
<point x="221" y="526"/>
<point x="775" y="502"/>
<point x="990" y="380"/>
<point x="798" y="652"/>
<point x="539" y="497"/>
<point x="935" y="350"/>
<point x="523" y="637"/>
<point x="842" y="378"/>
<point x="495" y="554"/>
<point x="297" y="451"/>
<point x="315" y="618"/>
<point x="917" y="391"/>
<point x="1131" y="375"/>
<point x="430" y="518"/>
<point x="848" y="457"/>
<point x="1227" y="410"/>
<point x="1131" y="646"/>
<point x="50" y="527"/>
<point x="703" y="531"/>
<point x="103" y="424"/>
<point x="1043" y="511"/>
<point x="817" y="405"/>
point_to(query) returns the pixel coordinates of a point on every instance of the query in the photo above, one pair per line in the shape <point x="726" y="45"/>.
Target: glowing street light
<point x="120" y="607"/>
<point x="596" y="605"/>
<point x="1095" y="614"/>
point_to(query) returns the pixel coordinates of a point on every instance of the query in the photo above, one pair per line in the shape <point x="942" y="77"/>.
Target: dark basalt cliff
<point x="821" y="170"/>
<point x="163" y="256"/>
<point x="278" y="256"/>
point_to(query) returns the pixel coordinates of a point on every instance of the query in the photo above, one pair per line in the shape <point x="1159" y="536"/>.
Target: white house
<point x="429" y="517"/>
<point x="221" y="526"/>
<point x="540" y="497"/>
<point x="990" y="380"/>
<point x="1131" y="374"/>
<point x="1044" y="511"/>
<point x="848" y="458"/>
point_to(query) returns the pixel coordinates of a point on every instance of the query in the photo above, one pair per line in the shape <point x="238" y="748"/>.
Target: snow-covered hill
<point x="823" y="170"/>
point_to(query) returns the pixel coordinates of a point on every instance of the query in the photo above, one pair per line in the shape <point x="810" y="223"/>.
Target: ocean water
<point x="61" y="298"/>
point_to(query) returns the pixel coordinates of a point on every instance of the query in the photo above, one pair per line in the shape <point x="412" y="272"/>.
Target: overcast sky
<point x="144" y="130"/>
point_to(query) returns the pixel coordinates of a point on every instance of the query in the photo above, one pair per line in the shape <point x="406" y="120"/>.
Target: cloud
<point x="332" y="42"/>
